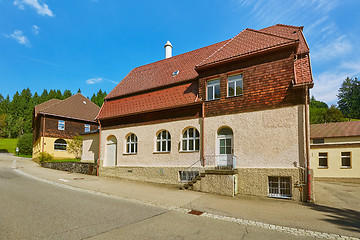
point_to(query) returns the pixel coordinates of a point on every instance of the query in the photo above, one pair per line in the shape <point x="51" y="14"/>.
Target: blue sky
<point x="93" y="44"/>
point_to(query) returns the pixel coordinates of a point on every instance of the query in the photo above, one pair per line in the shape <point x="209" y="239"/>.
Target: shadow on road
<point x="347" y="219"/>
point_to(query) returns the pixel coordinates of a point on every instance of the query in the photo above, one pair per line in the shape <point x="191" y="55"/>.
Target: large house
<point x="55" y="122"/>
<point x="335" y="151"/>
<point x="229" y="118"/>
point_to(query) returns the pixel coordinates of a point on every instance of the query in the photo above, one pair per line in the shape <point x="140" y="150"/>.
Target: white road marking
<point x="64" y="180"/>
<point x="13" y="164"/>
<point x="289" y="230"/>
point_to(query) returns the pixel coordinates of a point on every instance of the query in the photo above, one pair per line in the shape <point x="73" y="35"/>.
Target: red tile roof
<point x="246" y="42"/>
<point x="159" y="74"/>
<point x="166" y="98"/>
<point x="75" y="107"/>
<point x="302" y="67"/>
<point x="288" y="31"/>
<point x="339" y="129"/>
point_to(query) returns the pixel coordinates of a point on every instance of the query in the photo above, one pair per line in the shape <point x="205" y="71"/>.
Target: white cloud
<point x="334" y="48"/>
<point x="35" y="29"/>
<point x="328" y="83"/>
<point x="19" y="37"/>
<point x="41" y="8"/>
<point x="94" y="80"/>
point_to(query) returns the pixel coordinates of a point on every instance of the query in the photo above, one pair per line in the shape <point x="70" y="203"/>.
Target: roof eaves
<point x="56" y="115"/>
<point x="155" y="110"/>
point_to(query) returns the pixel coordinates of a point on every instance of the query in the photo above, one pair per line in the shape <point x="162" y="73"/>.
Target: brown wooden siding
<point x="266" y="84"/>
<point x="72" y="127"/>
<point x="188" y="112"/>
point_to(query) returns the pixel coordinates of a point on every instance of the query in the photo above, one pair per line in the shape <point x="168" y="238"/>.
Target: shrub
<point x="25" y="144"/>
<point x="45" y="157"/>
<point x="75" y="146"/>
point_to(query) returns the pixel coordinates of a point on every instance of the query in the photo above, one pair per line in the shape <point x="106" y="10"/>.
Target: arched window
<point x="191" y="140"/>
<point x="163" y="141"/>
<point x="131" y="144"/>
<point x="60" y="144"/>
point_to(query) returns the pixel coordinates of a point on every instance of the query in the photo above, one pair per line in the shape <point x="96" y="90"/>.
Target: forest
<point x="347" y="109"/>
<point x="16" y="113"/>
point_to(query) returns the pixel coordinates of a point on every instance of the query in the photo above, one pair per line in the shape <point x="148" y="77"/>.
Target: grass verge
<point x="8" y="145"/>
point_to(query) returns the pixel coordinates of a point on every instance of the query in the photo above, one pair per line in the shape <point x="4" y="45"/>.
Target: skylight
<point x="175" y="73"/>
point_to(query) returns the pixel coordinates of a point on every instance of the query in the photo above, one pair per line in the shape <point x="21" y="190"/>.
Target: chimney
<point x="168" y="49"/>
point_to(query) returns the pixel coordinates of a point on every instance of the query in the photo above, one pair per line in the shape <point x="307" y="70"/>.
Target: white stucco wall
<point x="147" y="155"/>
<point x="90" y="148"/>
<point x="269" y="138"/>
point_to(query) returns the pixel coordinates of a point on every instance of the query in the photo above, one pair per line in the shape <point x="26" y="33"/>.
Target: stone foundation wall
<point x="75" y="167"/>
<point x="165" y="175"/>
<point x="255" y="181"/>
<point x="218" y="184"/>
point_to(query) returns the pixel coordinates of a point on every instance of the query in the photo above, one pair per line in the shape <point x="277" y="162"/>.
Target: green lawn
<point x="8" y="144"/>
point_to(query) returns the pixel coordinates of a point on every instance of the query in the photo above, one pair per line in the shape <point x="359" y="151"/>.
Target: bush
<point x="25" y="144"/>
<point x="75" y="146"/>
<point x="45" y="157"/>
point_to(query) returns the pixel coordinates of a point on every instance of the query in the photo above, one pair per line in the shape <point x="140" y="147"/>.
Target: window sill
<point x="129" y="153"/>
<point x="234" y="96"/>
<point x="191" y="151"/>
<point x="323" y="167"/>
<point x="59" y="150"/>
<point x="345" y="167"/>
<point x="209" y="100"/>
<point x="161" y="152"/>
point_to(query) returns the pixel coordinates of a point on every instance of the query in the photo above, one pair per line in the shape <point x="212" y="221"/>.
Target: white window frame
<point x="60" y="144"/>
<point x="193" y="139"/>
<point x="131" y="144"/>
<point x="87" y="127"/>
<point x="279" y="187"/>
<point x="160" y="140"/>
<point x="322" y="156"/>
<point x="211" y="87"/>
<point x="343" y="156"/>
<point x="237" y="80"/>
<point x="61" y="125"/>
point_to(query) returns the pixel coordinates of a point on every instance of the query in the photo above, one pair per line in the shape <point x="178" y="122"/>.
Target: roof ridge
<point x="166" y="59"/>
<point x="220" y="48"/>
<point x="274" y="35"/>
<point x="285" y="25"/>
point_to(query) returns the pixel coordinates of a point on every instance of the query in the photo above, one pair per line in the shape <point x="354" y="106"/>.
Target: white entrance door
<point x="225" y="150"/>
<point x="111" y="152"/>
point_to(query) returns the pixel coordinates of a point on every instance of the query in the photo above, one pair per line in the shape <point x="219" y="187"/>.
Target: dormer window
<point x="235" y="85"/>
<point x="213" y="89"/>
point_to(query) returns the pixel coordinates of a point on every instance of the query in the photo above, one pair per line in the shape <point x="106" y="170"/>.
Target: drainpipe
<point x="98" y="160"/>
<point x="202" y="136"/>
<point x="43" y="138"/>
<point x="307" y="131"/>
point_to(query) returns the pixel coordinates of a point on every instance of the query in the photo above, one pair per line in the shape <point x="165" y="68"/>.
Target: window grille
<point x="280" y="187"/>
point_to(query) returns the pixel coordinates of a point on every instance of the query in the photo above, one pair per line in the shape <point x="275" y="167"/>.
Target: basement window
<point x="280" y="187"/>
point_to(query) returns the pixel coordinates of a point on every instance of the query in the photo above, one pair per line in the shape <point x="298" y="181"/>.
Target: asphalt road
<point x="30" y="209"/>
